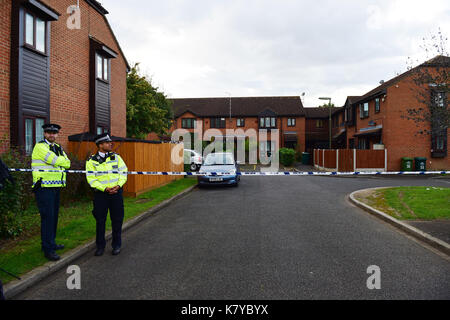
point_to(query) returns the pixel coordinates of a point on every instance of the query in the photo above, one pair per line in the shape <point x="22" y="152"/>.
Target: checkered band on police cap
<point x="102" y="138"/>
<point x="51" y="127"/>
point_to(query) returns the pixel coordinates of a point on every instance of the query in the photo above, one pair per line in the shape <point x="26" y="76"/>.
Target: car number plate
<point x="215" y="179"/>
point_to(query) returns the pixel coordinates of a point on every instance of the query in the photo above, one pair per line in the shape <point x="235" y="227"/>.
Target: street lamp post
<point x="230" y="105"/>
<point x="329" y="122"/>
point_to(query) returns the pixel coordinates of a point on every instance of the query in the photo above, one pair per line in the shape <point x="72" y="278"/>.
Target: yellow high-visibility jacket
<point x="111" y="162"/>
<point x="43" y="157"/>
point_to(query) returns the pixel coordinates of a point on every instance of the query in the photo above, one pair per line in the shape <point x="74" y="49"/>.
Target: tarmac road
<point x="294" y="237"/>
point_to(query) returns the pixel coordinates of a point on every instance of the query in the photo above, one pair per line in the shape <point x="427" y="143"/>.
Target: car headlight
<point x="233" y="171"/>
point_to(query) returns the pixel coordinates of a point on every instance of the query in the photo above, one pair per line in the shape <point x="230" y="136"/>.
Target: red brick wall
<point x="69" y="71"/>
<point x="314" y="133"/>
<point x="299" y="128"/>
<point x="400" y="135"/>
<point x="250" y="123"/>
<point x="5" y="53"/>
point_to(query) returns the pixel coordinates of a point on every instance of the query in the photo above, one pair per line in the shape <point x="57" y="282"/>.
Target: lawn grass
<point x="76" y="226"/>
<point x="412" y="203"/>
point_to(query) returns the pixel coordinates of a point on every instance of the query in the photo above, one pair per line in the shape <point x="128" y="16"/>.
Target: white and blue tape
<point x="244" y="173"/>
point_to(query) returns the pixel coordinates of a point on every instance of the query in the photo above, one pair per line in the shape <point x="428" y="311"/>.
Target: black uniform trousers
<point x="114" y="203"/>
<point x="48" y="204"/>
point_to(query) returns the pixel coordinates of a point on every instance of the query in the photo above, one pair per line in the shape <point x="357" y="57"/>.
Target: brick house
<point x="52" y="73"/>
<point x="375" y="120"/>
<point x="317" y="128"/>
<point x="283" y="113"/>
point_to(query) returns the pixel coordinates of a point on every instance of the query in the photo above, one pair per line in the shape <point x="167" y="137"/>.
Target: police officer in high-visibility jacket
<point x="49" y="155"/>
<point x="108" y="192"/>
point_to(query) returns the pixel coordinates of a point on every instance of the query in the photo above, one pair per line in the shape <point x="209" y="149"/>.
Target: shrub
<point x="77" y="187"/>
<point x="287" y="156"/>
<point x="15" y="198"/>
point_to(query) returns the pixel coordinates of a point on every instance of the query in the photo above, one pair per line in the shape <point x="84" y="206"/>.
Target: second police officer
<point x="108" y="193"/>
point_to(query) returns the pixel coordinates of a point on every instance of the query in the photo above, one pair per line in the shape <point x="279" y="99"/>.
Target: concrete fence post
<point x="354" y="160"/>
<point x="337" y="159"/>
<point x="385" y="160"/>
<point x="323" y="158"/>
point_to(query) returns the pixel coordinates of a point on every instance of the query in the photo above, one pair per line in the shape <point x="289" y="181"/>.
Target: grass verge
<point x="76" y="226"/>
<point x="410" y="203"/>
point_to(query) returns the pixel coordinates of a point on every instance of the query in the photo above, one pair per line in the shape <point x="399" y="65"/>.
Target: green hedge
<point x="16" y="198"/>
<point x="287" y="156"/>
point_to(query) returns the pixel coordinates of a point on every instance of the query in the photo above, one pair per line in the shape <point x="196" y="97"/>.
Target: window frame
<point x="362" y="112"/>
<point x="291" y="122"/>
<point x="319" y="123"/>
<point x="33" y="46"/>
<point x="188" y="123"/>
<point x="103" y="130"/>
<point x="34" y="129"/>
<point x="105" y="61"/>
<point x="240" y="122"/>
<point x="217" y="123"/>
<point x="364" y="142"/>
<point x="377" y="105"/>
<point x="267" y="122"/>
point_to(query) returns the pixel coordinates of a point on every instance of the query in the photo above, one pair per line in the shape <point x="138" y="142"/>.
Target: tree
<point x="326" y="105"/>
<point x="431" y="111"/>
<point x="147" y="109"/>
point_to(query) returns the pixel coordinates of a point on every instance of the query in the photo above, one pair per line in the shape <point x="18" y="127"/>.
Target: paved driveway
<point x="270" y="238"/>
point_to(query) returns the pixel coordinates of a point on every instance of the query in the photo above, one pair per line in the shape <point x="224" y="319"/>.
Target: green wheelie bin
<point x="407" y="164"/>
<point x="305" y="158"/>
<point x="420" y="164"/>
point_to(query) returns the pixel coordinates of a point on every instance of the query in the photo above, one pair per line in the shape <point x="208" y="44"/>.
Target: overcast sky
<point x="217" y="48"/>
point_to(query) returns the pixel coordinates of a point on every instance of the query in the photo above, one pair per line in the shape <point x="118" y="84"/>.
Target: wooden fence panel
<point x="330" y="159"/>
<point x="365" y="159"/>
<point x="138" y="156"/>
<point x="346" y="160"/>
<point x="369" y="159"/>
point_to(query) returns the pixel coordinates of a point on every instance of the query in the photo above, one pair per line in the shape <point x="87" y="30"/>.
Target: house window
<point x="440" y="143"/>
<point x="266" y="148"/>
<point x="217" y="122"/>
<point x="240" y="122"/>
<point x="102" y="68"/>
<point x="319" y="124"/>
<point x="188" y="123"/>
<point x="291" y="122"/>
<point x="377" y="105"/>
<point x="364" y="110"/>
<point x="35" y="32"/>
<point x="101" y="130"/>
<point x="363" y="144"/>
<point x="267" y="122"/>
<point x="33" y="132"/>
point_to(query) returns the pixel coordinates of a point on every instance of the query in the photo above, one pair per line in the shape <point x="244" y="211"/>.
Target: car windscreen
<point x="214" y="159"/>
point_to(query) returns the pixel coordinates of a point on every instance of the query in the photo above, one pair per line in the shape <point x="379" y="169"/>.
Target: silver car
<point x="219" y="163"/>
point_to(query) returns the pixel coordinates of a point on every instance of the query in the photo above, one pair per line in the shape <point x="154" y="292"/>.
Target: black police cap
<point x="104" y="137"/>
<point x="52" y="127"/>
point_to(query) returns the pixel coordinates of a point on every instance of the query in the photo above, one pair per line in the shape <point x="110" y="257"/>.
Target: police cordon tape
<point x="242" y="173"/>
